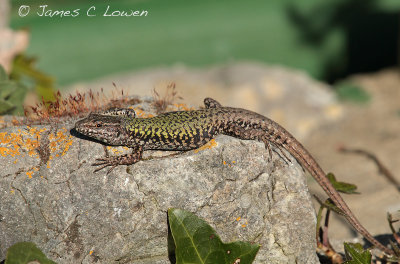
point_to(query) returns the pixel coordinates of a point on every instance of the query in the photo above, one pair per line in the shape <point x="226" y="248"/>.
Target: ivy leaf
<point x="342" y="186"/>
<point x="197" y="242"/>
<point x="347" y="91"/>
<point x="3" y="74"/>
<point x="12" y="95"/>
<point x="25" y="252"/>
<point x="6" y="107"/>
<point x="6" y="89"/>
<point x="357" y="254"/>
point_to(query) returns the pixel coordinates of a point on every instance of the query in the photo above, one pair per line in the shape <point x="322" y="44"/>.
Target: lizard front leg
<point x="114" y="161"/>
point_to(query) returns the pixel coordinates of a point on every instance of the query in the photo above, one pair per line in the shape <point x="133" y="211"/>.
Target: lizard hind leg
<point x="278" y="150"/>
<point x="252" y="134"/>
<point x="260" y="135"/>
<point x="268" y="147"/>
<point x="211" y="103"/>
<point x="283" y="154"/>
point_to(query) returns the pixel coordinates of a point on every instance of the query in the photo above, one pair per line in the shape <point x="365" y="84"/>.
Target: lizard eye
<point x="98" y="125"/>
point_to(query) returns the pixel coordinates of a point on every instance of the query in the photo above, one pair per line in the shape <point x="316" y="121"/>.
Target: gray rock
<point x="49" y="195"/>
<point x="4" y="13"/>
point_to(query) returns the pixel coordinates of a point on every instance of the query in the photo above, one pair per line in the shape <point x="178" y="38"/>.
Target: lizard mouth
<point x="93" y="134"/>
<point x="85" y="130"/>
<point x="81" y="129"/>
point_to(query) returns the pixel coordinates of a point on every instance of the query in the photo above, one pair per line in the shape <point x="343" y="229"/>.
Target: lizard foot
<point x="106" y="162"/>
<point x="283" y="154"/>
<point x="268" y="147"/>
<point x="114" y="161"/>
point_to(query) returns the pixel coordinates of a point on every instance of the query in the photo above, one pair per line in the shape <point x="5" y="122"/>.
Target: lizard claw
<point x="268" y="147"/>
<point x="103" y="163"/>
<point x="98" y="169"/>
<point x="114" y="161"/>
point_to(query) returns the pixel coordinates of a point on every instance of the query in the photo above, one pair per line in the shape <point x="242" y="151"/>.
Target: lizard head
<point x="108" y="129"/>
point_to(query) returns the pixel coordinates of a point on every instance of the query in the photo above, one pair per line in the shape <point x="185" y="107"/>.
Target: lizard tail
<point x="309" y="163"/>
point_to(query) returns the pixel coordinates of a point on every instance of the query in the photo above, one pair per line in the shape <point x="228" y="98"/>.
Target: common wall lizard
<point x="186" y="130"/>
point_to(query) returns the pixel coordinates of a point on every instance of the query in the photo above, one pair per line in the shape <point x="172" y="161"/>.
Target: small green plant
<point x="26" y="252"/>
<point x="342" y="187"/>
<point x="322" y="237"/>
<point x="23" y="78"/>
<point x="12" y="95"/>
<point x="24" y="71"/>
<point x="355" y="254"/>
<point x="347" y="91"/>
<point x="197" y="242"/>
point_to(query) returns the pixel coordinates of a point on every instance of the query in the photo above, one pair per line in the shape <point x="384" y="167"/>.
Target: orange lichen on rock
<point x="183" y="107"/>
<point x="242" y="222"/>
<point x="142" y="114"/>
<point x="114" y="150"/>
<point x="117" y="150"/>
<point x="28" y="141"/>
<point x="15" y="122"/>
<point x="10" y="144"/>
<point x="212" y="143"/>
<point x="60" y="142"/>
<point x="229" y="164"/>
<point x="30" y="172"/>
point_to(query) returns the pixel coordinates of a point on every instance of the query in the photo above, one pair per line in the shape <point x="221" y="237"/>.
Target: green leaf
<point x="342" y="186"/>
<point x="17" y="98"/>
<point x="6" y="107"/>
<point x="7" y="88"/>
<point x="197" y="242"/>
<point x="396" y="257"/>
<point x="348" y="91"/>
<point x="25" y="72"/>
<point x="356" y="254"/>
<point x="24" y="252"/>
<point x="12" y="94"/>
<point x="3" y="74"/>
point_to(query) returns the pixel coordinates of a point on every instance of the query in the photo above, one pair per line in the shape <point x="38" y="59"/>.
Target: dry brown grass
<point x="162" y="102"/>
<point x="73" y="105"/>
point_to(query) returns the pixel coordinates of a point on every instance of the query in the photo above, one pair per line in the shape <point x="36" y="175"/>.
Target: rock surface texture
<point x="49" y="195"/>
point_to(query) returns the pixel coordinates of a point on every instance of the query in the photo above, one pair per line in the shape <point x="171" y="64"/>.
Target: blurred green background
<point x="329" y="39"/>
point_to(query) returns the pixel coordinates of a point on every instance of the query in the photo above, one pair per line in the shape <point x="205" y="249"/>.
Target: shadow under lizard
<point x="186" y="130"/>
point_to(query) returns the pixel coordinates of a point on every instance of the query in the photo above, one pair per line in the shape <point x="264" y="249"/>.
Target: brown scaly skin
<point x="186" y="130"/>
